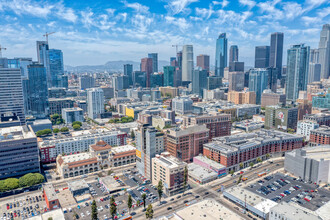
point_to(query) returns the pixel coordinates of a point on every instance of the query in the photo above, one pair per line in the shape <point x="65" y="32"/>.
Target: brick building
<point x="320" y="118"/>
<point x="50" y="196"/>
<point x="218" y="124"/>
<point x="320" y="136"/>
<point x="231" y="151"/>
<point x="186" y="143"/>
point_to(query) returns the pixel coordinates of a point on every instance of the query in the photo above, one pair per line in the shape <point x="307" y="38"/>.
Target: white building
<point x="291" y="211"/>
<point x="215" y="94"/>
<point x="182" y="105"/>
<point x="72" y="114"/>
<point x="79" y="142"/>
<point x="187" y="62"/>
<point x="95" y="102"/>
<point x="304" y="127"/>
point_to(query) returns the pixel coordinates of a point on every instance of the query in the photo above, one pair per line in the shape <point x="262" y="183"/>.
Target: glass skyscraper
<point x="128" y="71"/>
<point x="261" y="57"/>
<point x="199" y="81"/>
<point x="56" y="67"/>
<point x="221" y="55"/>
<point x="276" y="52"/>
<point x="169" y="72"/>
<point x="233" y="53"/>
<point x="154" y="57"/>
<point x="324" y="51"/>
<point x="297" y="71"/>
<point x="43" y="58"/>
<point x="37" y="91"/>
<point x="258" y="82"/>
<point x="187" y="63"/>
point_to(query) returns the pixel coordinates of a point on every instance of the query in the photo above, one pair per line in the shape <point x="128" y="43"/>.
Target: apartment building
<point x="320" y="136"/>
<point x="242" y="97"/>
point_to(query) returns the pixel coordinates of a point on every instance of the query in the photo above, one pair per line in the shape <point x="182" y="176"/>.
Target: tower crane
<point x="47" y="34"/>
<point x="176" y="47"/>
<point x="1" y="49"/>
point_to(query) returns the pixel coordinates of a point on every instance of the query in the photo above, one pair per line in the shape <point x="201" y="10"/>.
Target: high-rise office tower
<point x="169" y="72"/>
<point x="314" y="69"/>
<point x="119" y="82"/>
<point x="276" y="52"/>
<point x="199" y="81"/>
<point x="95" y="102"/>
<point x="146" y="66"/>
<point x="139" y="79"/>
<point x="86" y="82"/>
<point x="203" y="61"/>
<point x="37" y="91"/>
<point x="233" y="53"/>
<point x="11" y="94"/>
<point x="236" y="66"/>
<point x="154" y="57"/>
<point x="43" y="58"/>
<point x="324" y="51"/>
<point x="236" y="81"/>
<point x="258" y="82"/>
<point x="128" y="71"/>
<point x="221" y="55"/>
<point x="179" y="59"/>
<point x="297" y="71"/>
<point x="187" y="63"/>
<point x="56" y="67"/>
<point x="261" y="57"/>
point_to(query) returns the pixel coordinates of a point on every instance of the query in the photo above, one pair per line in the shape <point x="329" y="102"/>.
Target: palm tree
<point x="129" y="202"/>
<point x="144" y="197"/>
<point x="251" y="164"/>
<point x="160" y="189"/>
<point x="149" y="212"/>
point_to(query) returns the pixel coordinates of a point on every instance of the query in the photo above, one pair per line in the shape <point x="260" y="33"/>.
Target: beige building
<point x="236" y="81"/>
<point x="122" y="155"/>
<point x="160" y="122"/>
<point x="171" y="91"/>
<point x="243" y="97"/>
<point x="170" y="171"/>
<point x="269" y="98"/>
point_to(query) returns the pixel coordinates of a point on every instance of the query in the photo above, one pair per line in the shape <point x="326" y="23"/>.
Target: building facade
<point x="305" y="127"/>
<point x="72" y="114"/>
<point x="187" y="63"/>
<point x="243" y="97"/>
<point x="324" y="51"/>
<point x="95" y="102"/>
<point x="221" y="55"/>
<point x="276" y="52"/>
<point x="261" y="57"/>
<point x="236" y="81"/>
<point x="182" y="105"/>
<point x="203" y="61"/>
<point x="320" y="136"/>
<point x="233" y="53"/>
<point x="56" y="105"/>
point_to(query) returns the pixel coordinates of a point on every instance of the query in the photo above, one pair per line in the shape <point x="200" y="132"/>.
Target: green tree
<point x="160" y="189"/>
<point x="94" y="210"/>
<point x="267" y="156"/>
<point x="231" y="172"/>
<point x="185" y="178"/>
<point x="149" y="212"/>
<point x="11" y="183"/>
<point x="64" y="129"/>
<point x="259" y="160"/>
<point x="251" y="164"/>
<point x="241" y="165"/>
<point x="50" y="218"/>
<point x="138" y="203"/>
<point x="56" y="130"/>
<point x="113" y="208"/>
<point x="76" y="123"/>
<point x="76" y="127"/>
<point x="110" y="172"/>
<point x="129" y="202"/>
<point x="31" y="179"/>
<point x="132" y="134"/>
<point x="144" y="197"/>
<point x="239" y="179"/>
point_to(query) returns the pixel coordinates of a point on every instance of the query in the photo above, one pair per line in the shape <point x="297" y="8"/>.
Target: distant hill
<point x="111" y="66"/>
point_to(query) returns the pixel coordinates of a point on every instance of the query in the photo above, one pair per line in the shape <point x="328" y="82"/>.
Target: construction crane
<point x="176" y="47"/>
<point x="1" y="49"/>
<point x="47" y="34"/>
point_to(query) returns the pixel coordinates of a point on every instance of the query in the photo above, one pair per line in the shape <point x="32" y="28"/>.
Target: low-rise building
<point x="78" y="187"/>
<point x="169" y="91"/>
<point x="50" y="196"/>
<point x="169" y="170"/>
<point x="122" y="155"/>
<point x="159" y="122"/>
<point x="304" y="128"/>
<point x="320" y="118"/>
<point x="320" y="136"/>
<point x="310" y="164"/>
<point x="72" y="114"/>
<point x="291" y="211"/>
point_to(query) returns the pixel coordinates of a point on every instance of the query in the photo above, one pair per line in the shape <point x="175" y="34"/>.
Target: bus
<point x="262" y="174"/>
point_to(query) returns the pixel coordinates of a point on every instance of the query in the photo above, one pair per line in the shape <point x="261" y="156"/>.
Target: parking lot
<point x="279" y="187"/>
<point x="23" y="207"/>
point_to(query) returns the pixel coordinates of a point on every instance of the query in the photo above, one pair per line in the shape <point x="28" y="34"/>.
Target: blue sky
<point x="93" y="32"/>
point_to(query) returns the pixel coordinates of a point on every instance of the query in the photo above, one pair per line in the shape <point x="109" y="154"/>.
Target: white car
<point x="88" y="213"/>
<point x="82" y="215"/>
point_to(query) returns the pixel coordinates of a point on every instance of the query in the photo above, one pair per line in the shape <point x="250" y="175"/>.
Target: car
<point x="82" y="215"/>
<point x="172" y="199"/>
<point x="169" y="208"/>
<point x="88" y="213"/>
<point x="206" y="193"/>
<point x="196" y="197"/>
<point x="185" y="201"/>
<point x="178" y="197"/>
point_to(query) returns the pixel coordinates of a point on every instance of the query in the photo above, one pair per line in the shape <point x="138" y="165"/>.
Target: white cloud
<point x="67" y="14"/>
<point x="137" y="7"/>
<point x="178" y="6"/>
<point x="111" y="11"/>
<point x="292" y="10"/>
<point x="87" y="19"/>
<point x="223" y="4"/>
<point x="311" y="4"/>
<point x="21" y="7"/>
<point x="248" y="3"/>
<point x="204" y="12"/>
<point x="180" y="22"/>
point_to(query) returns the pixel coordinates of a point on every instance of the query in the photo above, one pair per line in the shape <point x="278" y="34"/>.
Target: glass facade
<point x="169" y="75"/>
<point x="221" y="55"/>
<point x="199" y="81"/>
<point x="56" y="67"/>
<point x="258" y="82"/>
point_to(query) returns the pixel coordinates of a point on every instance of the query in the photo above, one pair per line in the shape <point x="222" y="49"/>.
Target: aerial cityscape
<point x="165" y="109"/>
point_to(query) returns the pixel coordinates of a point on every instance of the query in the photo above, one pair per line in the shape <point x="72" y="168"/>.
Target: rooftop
<point x="210" y="162"/>
<point x="15" y="133"/>
<point x="293" y="211"/>
<point x="121" y="149"/>
<point x="77" y="185"/>
<point x="318" y="153"/>
<point x="177" y="132"/>
<point x="207" y="209"/>
<point x="76" y="157"/>
<point x="50" y="192"/>
<point x="72" y="109"/>
<point x="198" y="172"/>
<point x="325" y="130"/>
<point x="168" y="160"/>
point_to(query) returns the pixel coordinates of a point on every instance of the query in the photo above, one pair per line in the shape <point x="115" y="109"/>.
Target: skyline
<point x="95" y="33"/>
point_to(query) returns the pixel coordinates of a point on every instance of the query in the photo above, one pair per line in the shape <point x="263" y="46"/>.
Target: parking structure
<point x="23" y="207"/>
<point x="279" y="187"/>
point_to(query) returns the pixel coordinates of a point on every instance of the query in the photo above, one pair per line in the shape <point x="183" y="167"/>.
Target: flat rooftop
<point x="200" y="173"/>
<point x="316" y="153"/>
<point x="76" y="157"/>
<point x="207" y="209"/>
<point x="210" y="162"/>
<point x="177" y="132"/>
<point x="50" y="192"/>
<point x="77" y="185"/>
<point x="124" y="148"/>
<point x="15" y="133"/>
<point x="168" y="160"/>
<point x="292" y="211"/>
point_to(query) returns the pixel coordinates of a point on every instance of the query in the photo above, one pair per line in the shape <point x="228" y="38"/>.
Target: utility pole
<point x="47" y="34"/>
<point x="1" y="49"/>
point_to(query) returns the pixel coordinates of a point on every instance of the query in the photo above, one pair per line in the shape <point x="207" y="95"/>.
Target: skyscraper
<point x="297" y="71"/>
<point x="199" y="81"/>
<point x="56" y="67"/>
<point x="314" y="69"/>
<point x="261" y="57"/>
<point x="324" y="51"/>
<point x="154" y="57"/>
<point x="95" y="102"/>
<point x="221" y="55"/>
<point x="276" y="52"/>
<point x="169" y="72"/>
<point x="236" y="81"/>
<point x="258" y="82"/>
<point x="203" y="61"/>
<point x="11" y="94"/>
<point x="179" y="59"/>
<point x="187" y="63"/>
<point x="43" y="58"/>
<point x="146" y="66"/>
<point x="233" y="53"/>
<point x="128" y="71"/>
<point x="37" y="91"/>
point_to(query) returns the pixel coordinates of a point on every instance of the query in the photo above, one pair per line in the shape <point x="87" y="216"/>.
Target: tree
<point x="251" y="164"/>
<point x="113" y="208"/>
<point x="76" y="127"/>
<point x="43" y="132"/>
<point x="110" y="172"/>
<point x="267" y="156"/>
<point x="231" y="172"/>
<point x="31" y="179"/>
<point x="290" y="130"/>
<point x="241" y="165"/>
<point x="50" y="218"/>
<point x="94" y="210"/>
<point x="259" y="160"/>
<point x="144" y="197"/>
<point x="149" y="212"/>
<point x="132" y="134"/>
<point x="138" y="203"/>
<point x="160" y="189"/>
<point x="239" y="179"/>
<point x="76" y="123"/>
<point x="185" y="178"/>
<point x="11" y="183"/>
<point x="56" y="130"/>
<point x="64" y="129"/>
<point x="129" y="202"/>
